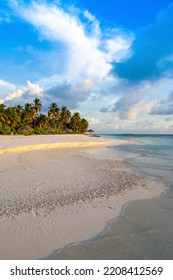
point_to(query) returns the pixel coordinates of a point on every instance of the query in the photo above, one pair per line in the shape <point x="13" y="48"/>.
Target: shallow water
<point x="145" y="229"/>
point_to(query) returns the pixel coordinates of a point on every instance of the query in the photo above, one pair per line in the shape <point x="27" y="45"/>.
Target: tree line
<point x="29" y="119"/>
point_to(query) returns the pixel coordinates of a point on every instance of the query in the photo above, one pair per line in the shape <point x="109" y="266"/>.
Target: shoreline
<point x="23" y="143"/>
<point x="46" y="232"/>
<point x="55" y="255"/>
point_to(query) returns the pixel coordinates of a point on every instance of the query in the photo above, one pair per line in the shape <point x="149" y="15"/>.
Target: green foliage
<point x="56" y="121"/>
<point x="25" y="132"/>
<point x="39" y="130"/>
<point x="5" y="129"/>
<point x="84" y="125"/>
<point x="59" y="131"/>
<point x="65" y="116"/>
<point x="54" y="114"/>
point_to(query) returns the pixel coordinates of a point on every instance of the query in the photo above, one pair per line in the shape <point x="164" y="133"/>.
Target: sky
<point x="110" y="60"/>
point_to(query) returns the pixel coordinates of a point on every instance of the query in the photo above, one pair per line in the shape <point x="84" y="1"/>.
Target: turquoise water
<point x="154" y="145"/>
<point x="155" y="152"/>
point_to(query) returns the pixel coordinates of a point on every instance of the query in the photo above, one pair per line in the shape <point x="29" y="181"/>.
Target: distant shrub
<point x="26" y="132"/>
<point x="39" y="130"/>
<point x="59" y="131"/>
<point x="76" y="132"/>
<point x="5" y="129"/>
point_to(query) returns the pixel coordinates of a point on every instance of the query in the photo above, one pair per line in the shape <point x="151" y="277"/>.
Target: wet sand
<point x="133" y="236"/>
<point x="144" y="230"/>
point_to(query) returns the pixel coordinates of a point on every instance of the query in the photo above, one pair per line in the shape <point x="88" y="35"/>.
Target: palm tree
<point x="2" y="113"/>
<point x="37" y="106"/>
<point x="28" y="107"/>
<point x="75" y="122"/>
<point x="29" y="114"/>
<point x="83" y="125"/>
<point x="65" y="115"/>
<point x="54" y="113"/>
<point x="13" y="118"/>
<point x="43" y="121"/>
<point x="19" y="109"/>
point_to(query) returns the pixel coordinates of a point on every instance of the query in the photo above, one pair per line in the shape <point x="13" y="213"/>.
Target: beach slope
<point x="55" y="191"/>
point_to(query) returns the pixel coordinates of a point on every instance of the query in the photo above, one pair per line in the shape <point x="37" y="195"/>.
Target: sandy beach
<point x="61" y="189"/>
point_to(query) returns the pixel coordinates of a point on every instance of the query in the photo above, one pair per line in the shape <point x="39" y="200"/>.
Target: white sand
<point x="38" y="142"/>
<point x="30" y="176"/>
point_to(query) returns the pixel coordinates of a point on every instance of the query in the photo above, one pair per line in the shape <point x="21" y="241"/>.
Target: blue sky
<point x="110" y="60"/>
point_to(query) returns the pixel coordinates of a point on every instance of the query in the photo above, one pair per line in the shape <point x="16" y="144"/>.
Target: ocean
<point x="144" y="230"/>
<point x="154" y="153"/>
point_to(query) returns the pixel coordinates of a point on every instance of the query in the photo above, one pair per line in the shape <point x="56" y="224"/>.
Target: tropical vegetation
<point x="29" y="119"/>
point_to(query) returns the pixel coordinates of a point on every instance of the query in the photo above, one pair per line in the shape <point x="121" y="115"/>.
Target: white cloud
<point x="81" y="78"/>
<point x="111" y="124"/>
<point x="83" y="55"/>
<point x="164" y="106"/>
<point x="118" y="48"/>
<point x="144" y="98"/>
<point x="51" y="81"/>
<point x="86" y="85"/>
<point x="5" y="89"/>
<point x="89" y="16"/>
<point x="20" y="95"/>
<point x="15" y="94"/>
<point x="87" y="51"/>
<point x="6" y="85"/>
<point x="77" y="70"/>
<point x="140" y="107"/>
<point x="34" y="89"/>
<point x="82" y="41"/>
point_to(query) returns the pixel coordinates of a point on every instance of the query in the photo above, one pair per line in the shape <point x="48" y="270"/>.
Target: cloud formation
<point x="152" y="51"/>
<point x="164" y="107"/>
<point x="89" y="50"/>
<point x="76" y="60"/>
<point x="71" y="95"/>
<point x="62" y="93"/>
<point x="144" y="72"/>
<point x="82" y="50"/>
<point x="34" y="89"/>
<point x="5" y="89"/>
<point x="86" y="48"/>
<point x="13" y="95"/>
<point x="135" y="100"/>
